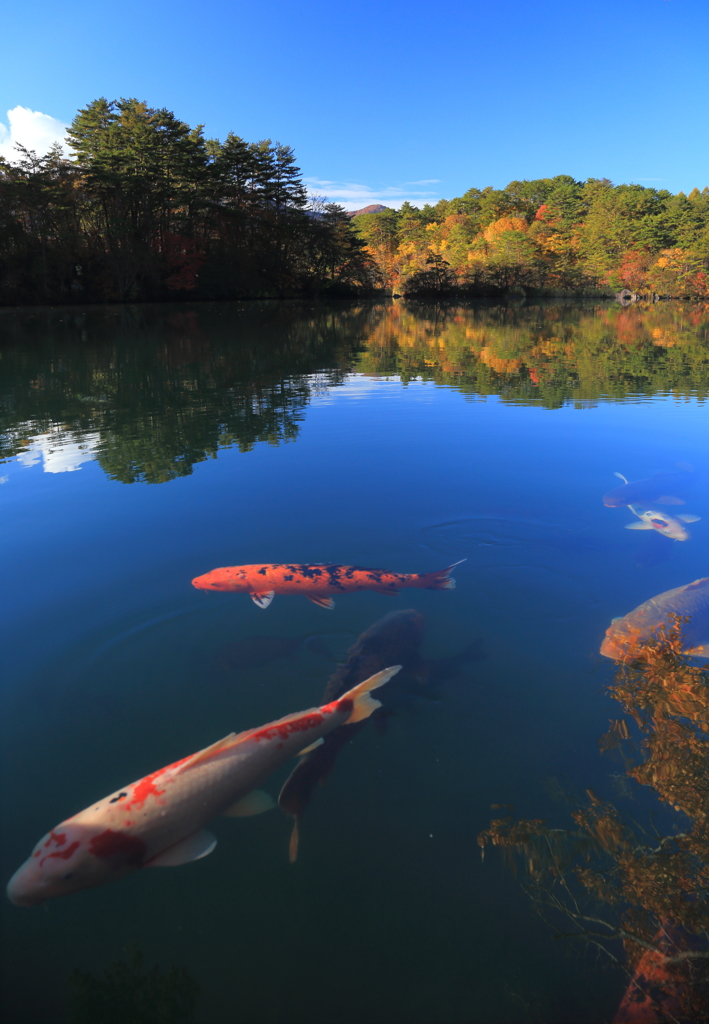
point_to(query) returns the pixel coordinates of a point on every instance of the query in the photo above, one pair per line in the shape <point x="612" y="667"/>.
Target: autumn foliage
<point x="612" y="881"/>
<point x="557" y="235"/>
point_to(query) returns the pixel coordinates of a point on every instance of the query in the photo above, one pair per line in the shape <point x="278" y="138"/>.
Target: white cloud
<point x="59" y="451"/>
<point x="353" y="196"/>
<point x="31" y="129"/>
<point x="425" y="181"/>
<point x="4" y="479"/>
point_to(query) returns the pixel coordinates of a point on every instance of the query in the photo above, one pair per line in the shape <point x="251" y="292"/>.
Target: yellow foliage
<point x="663" y="337"/>
<point x="671" y="259"/>
<point x="493" y="231"/>
<point x="488" y="357"/>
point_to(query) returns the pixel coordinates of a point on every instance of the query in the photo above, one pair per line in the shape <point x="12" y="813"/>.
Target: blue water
<point x="390" y="915"/>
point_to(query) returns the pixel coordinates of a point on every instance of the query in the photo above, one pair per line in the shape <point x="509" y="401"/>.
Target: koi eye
<point x="68" y="876"/>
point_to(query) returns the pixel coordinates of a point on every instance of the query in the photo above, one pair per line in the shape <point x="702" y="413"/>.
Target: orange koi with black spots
<point x="316" y="582"/>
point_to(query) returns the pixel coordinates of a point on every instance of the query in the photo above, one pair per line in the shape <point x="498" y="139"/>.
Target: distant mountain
<point x="374" y="208"/>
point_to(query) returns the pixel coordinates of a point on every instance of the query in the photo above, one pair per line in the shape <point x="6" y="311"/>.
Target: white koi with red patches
<point x="159" y="820"/>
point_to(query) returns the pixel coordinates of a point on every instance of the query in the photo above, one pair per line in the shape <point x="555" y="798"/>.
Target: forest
<point x="148" y="209"/>
<point x="556" y="236"/>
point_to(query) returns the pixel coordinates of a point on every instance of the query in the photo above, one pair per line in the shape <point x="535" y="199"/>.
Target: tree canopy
<point x="552" y="234"/>
<point x="148" y="209"/>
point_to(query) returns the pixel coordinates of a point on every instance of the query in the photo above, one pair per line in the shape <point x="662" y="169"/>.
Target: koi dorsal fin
<point x="209" y="752"/>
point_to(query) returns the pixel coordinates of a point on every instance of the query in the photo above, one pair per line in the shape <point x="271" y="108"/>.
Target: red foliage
<point x="634" y="267"/>
<point x="184" y="257"/>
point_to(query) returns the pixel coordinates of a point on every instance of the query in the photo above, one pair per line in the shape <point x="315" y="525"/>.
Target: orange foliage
<point x="498" y="227"/>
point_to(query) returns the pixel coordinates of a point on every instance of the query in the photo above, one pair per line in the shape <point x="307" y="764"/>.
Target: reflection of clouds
<point x="59" y="451"/>
<point x="4" y="479"/>
<point x="355" y="386"/>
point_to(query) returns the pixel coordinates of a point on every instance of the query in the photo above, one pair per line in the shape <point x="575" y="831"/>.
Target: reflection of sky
<point x="59" y="451"/>
<point x="355" y="385"/>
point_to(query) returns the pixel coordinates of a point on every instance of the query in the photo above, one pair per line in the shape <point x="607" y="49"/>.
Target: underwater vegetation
<point x="638" y="894"/>
<point x="127" y="993"/>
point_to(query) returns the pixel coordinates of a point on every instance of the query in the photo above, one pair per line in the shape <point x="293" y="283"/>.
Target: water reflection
<point x="638" y="893"/>
<point x="150" y="391"/>
<point x="547" y="355"/>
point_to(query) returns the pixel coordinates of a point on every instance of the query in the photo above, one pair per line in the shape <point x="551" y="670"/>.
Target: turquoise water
<point x="146" y="446"/>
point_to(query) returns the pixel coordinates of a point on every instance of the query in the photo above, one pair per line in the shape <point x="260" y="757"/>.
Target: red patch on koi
<point x="285" y="729"/>
<point x="338" y="705"/>
<point x="143" y="789"/>
<point x="63" y="854"/>
<point x="58" y="837"/>
<point x="116" y="844"/>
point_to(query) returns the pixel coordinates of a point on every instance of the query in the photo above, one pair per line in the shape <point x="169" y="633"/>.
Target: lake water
<point x="144" y="446"/>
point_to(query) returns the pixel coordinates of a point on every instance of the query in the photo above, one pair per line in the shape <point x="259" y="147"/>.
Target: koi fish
<point x="663" y="488"/>
<point x="627" y="634"/>
<point x="159" y="821"/>
<point x="316" y="582"/>
<point x="666" y="525"/>
<point x="396" y="637"/>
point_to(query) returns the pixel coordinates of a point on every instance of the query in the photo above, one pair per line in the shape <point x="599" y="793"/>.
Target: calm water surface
<point x="145" y="446"/>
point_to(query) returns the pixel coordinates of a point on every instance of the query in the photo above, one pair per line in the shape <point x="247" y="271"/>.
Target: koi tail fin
<point x="362" y="704"/>
<point x="440" y="580"/>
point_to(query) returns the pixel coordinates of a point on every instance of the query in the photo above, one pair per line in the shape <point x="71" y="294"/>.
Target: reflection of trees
<point x="546" y="355"/>
<point x="166" y="388"/>
<point x="615" y="885"/>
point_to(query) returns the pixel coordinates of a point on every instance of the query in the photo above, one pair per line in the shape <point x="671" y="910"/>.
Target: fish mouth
<point x="20" y="898"/>
<point x="203" y="584"/>
<point x="611" y="649"/>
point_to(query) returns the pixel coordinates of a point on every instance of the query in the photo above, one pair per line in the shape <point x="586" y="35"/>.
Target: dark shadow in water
<point x="393" y="640"/>
<point x="126" y="993"/>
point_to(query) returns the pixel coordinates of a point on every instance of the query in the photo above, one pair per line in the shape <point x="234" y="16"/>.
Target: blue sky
<point x="392" y="100"/>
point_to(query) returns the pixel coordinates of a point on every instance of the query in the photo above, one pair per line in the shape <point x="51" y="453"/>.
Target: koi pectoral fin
<point x="293" y="845"/>
<point x="640" y="526"/>
<point x="322" y="600"/>
<point x="308" y="750"/>
<point x="194" y="847"/>
<point x="670" y="499"/>
<point x="689" y="519"/>
<point x="255" y="802"/>
<point x="262" y="600"/>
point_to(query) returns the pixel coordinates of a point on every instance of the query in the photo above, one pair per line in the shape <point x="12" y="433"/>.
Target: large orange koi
<point x="626" y="635"/>
<point x="316" y="582"/>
